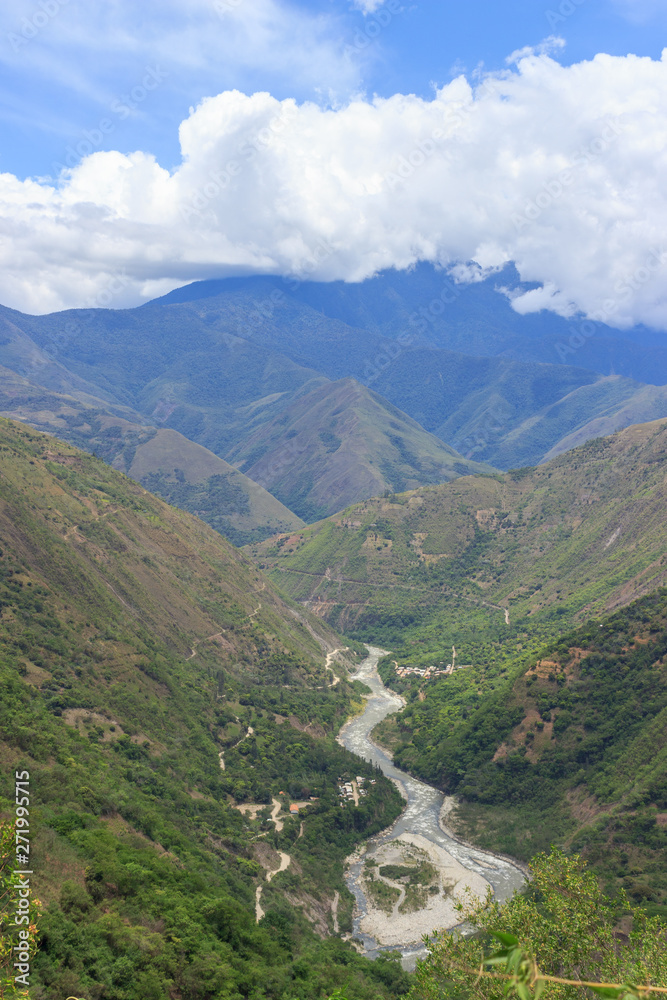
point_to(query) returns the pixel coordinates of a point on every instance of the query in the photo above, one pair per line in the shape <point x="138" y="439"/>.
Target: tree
<point x="567" y="929"/>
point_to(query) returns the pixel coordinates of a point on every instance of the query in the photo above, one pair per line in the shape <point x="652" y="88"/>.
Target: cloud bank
<point x="559" y="169"/>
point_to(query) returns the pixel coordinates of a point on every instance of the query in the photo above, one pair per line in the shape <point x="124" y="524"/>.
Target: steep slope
<point x="512" y="414"/>
<point x="548" y="734"/>
<point x="194" y="479"/>
<point x="183" y="473"/>
<point x="580" y="534"/>
<point x="433" y="310"/>
<point x="342" y="443"/>
<point x="176" y="369"/>
<point x="151" y="680"/>
<point x="571" y="749"/>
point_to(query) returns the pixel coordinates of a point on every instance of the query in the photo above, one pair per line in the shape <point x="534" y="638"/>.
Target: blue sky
<point x="148" y="145"/>
<point x="57" y="85"/>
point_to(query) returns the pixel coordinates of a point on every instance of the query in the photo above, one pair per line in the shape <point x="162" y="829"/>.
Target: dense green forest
<point x="139" y="653"/>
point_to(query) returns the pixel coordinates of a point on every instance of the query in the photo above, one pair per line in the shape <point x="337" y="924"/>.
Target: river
<point x="421" y="815"/>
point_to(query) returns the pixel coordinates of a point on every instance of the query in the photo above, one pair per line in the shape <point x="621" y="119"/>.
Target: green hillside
<point x="545" y="732"/>
<point x="583" y="533"/>
<point x="178" y="470"/>
<point x="342" y="443"/>
<point x="570" y="749"/>
<point x="228" y="364"/>
<point x="137" y="647"/>
<point x="510" y="413"/>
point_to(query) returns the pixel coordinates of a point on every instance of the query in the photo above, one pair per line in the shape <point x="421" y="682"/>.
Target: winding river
<point x="421" y="815"/>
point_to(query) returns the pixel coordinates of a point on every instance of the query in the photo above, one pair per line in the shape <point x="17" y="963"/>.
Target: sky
<point x="146" y="146"/>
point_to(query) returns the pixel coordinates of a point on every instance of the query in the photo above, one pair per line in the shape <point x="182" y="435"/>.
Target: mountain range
<point x="438" y="376"/>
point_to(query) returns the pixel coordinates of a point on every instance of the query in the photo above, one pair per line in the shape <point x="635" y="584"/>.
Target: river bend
<point x="421" y="815"/>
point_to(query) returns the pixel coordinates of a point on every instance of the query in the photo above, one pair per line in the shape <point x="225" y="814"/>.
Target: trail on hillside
<point x="245" y="737"/>
<point x="327" y="664"/>
<point x="216" y="635"/>
<point x="285" y="861"/>
<point x="390" y="586"/>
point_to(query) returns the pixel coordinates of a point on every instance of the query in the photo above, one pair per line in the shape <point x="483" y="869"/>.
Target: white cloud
<point x="86" y="48"/>
<point x="559" y="169"/>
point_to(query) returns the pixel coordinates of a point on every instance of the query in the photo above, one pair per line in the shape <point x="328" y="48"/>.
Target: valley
<point x="213" y="744"/>
<point x="548" y="584"/>
<point x="417" y="834"/>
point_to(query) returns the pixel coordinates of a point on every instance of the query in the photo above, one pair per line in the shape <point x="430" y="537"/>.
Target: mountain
<point x="178" y="470"/>
<point x="581" y="534"/>
<point x="223" y="362"/>
<point x="539" y="597"/>
<point x="152" y="680"/>
<point x="456" y="358"/>
<point x="342" y="443"/>
<point x="425" y="307"/>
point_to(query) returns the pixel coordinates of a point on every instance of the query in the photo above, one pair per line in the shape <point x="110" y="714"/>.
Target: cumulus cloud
<point x="559" y="169"/>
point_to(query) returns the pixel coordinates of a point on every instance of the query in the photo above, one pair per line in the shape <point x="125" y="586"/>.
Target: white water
<point x="422" y="812"/>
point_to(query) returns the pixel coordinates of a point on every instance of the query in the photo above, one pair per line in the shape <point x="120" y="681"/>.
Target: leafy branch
<point x="523" y="975"/>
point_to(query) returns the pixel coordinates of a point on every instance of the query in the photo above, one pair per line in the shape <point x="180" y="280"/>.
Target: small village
<point x="426" y="672"/>
<point x="430" y="672"/>
<point x="352" y="791"/>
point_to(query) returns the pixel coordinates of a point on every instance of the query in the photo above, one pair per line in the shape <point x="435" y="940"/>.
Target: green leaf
<point x="499" y="958"/>
<point x="507" y="939"/>
<point x="610" y="992"/>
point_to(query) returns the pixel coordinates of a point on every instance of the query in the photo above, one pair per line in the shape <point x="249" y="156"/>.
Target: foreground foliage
<point x="568" y="930"/>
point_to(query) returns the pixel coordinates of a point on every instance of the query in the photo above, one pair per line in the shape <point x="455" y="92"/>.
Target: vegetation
<point x="367" y="446"/>
<point x="137" y="647"/>
<point x="229" y="364"/>
<point x="176" y="469"/>
<point x="440" y="566"/>
<point x="569" y="933"/>
<point x="540" y="744"/>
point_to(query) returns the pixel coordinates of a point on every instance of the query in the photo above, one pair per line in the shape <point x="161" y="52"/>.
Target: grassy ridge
<point x="178" y="470"/>
<point x="342" y="443"/>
